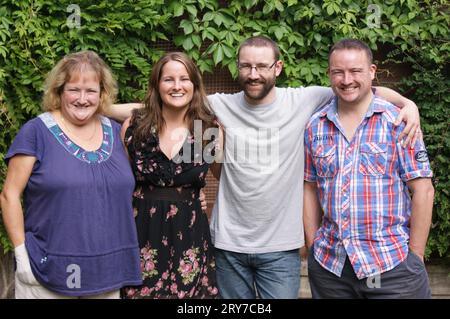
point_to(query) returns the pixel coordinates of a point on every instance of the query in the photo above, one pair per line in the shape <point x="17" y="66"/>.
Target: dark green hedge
<point x="36" y="34"/>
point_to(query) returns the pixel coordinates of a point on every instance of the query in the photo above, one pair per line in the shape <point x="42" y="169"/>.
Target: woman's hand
<point x="23" y="271"/>
<point x="202" y="199"/>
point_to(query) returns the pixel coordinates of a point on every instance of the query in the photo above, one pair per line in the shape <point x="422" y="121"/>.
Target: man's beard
<point x="267" y="85"/>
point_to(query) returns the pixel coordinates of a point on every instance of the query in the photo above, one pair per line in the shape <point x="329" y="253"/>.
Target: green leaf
<point x="304" y="71"/>
<point x="196" y="40"/>
<point x="317" y="37"/>
<point x="249" y="3"/>
<point x="218" y="54"/>
<point x="207" y="35"/>
<point x="187" y="26"/>
<point x="214" y="32"/>
<point x="433" y="29"/>
<point x="232" y="67"/>
<point x="209" y="16"/>
<point x="218" y="19"/>
<point x="229" y="52"/>
<point x="178" y="10"/>
<point x="279" y="33"/>
<point x="279" y="6"/>
<point x="188" y="44"/>
<point x="316" y="70"/>
<point x="211" y="48"/>
<point x="336" y="8"/>
<point x="330" y="10"/>
<point x="192" y="10"/>
<point x="268" y="7"/>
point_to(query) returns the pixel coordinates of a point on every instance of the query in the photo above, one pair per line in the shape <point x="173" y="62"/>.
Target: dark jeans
<point x="407" y="280"/>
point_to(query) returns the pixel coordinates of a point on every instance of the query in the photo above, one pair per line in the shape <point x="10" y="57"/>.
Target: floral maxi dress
<point x="175" y="245"/>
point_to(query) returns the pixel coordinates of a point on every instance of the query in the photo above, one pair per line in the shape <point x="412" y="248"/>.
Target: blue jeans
<point x="268" y="275"/>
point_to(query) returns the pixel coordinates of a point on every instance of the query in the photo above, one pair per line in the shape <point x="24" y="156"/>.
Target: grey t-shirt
<point x="260" y="199"/>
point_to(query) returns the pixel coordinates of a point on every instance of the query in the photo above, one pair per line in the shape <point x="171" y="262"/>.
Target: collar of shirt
<point x="330" y="110"/>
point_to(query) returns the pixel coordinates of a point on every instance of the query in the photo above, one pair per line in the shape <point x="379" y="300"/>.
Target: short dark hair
<point x="260" y="41"/>
<point x="348" y="44"/>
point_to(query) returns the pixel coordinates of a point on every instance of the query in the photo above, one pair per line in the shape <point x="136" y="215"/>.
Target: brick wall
<point x="220" y="81"/>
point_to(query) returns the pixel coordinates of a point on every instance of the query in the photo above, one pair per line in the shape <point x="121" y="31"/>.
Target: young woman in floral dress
<point x="170" y="167"/>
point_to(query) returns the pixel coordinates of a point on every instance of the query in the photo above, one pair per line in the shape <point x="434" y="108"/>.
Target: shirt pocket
<point x="373" y="159"/>
<point x="325" y="160"/>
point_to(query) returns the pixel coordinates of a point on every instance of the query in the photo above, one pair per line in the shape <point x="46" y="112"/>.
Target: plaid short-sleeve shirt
<point x="362" y="188"/>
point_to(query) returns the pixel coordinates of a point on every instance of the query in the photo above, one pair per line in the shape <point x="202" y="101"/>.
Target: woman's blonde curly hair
<point x="73" y="65"/>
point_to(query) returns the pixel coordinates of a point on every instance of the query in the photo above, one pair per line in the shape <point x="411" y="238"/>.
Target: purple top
<point x="79" y="226"/>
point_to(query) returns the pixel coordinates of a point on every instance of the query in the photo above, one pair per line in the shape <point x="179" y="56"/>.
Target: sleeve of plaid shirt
<point x="310" y="170"/>
<point x="414" y="163"/>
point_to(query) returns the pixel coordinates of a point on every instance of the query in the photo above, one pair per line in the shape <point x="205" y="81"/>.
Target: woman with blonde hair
<point x="77" y="238"/>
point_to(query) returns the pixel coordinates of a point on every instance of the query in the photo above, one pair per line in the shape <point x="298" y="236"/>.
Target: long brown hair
<point x="150" y="117"/>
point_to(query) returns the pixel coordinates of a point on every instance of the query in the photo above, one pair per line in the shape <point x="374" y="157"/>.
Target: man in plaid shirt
<point x="376" y="196"/>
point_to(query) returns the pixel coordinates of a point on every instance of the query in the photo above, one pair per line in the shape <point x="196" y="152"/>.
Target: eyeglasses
<point x="260" y="68"/>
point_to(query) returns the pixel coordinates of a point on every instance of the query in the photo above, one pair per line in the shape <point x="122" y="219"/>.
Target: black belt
<point x="170" y="193"/>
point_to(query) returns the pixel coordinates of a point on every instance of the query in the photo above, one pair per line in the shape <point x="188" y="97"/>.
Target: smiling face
<point x="351" y="75"/>
<point x="80" y="97"/>
<point x="175" y="86"/>
<point x="258" y="87"/>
